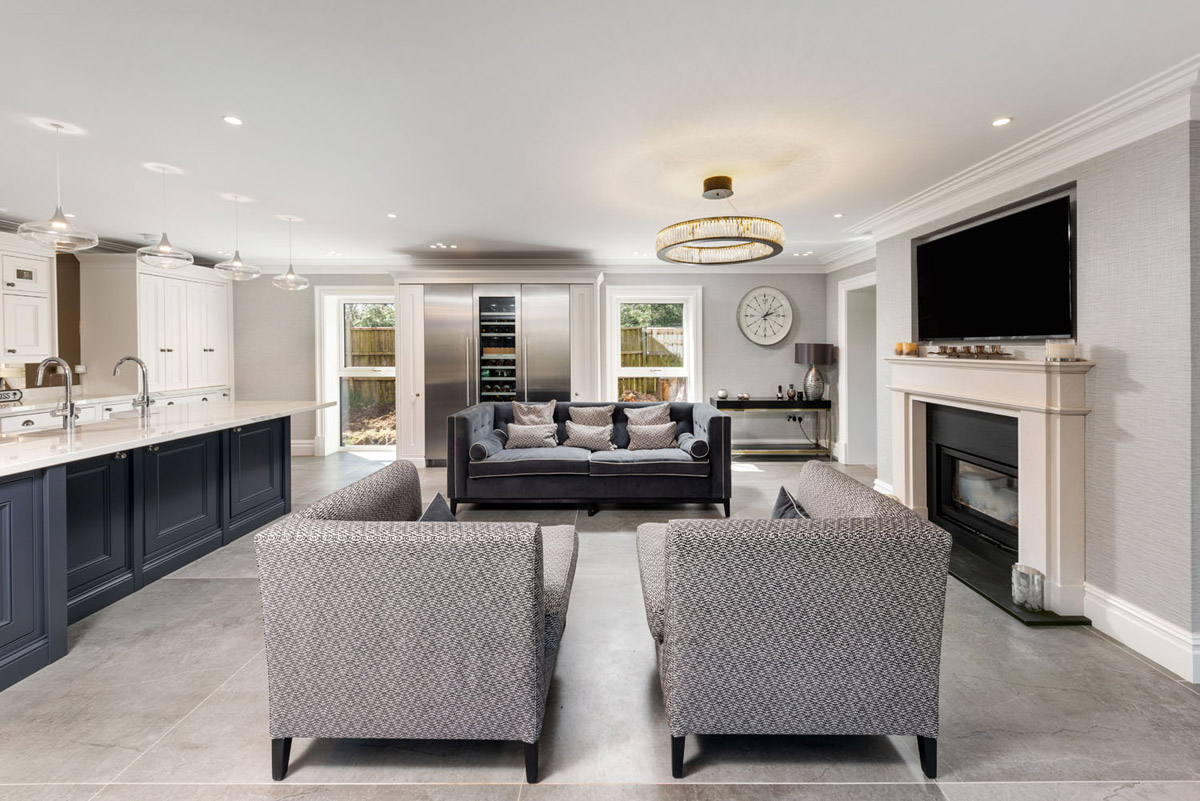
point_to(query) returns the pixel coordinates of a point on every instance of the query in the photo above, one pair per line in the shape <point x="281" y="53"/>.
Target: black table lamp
<point x="812" y="354"/>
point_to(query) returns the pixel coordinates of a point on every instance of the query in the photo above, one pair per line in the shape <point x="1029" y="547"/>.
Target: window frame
<point x="691" y="297"/>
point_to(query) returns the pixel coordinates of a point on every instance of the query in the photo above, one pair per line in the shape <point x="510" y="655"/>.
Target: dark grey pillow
<point x="485" y="447"/>
<point x="787" y="508"/>
<point x="697" y="448"/>
<point x="438" y="511"/>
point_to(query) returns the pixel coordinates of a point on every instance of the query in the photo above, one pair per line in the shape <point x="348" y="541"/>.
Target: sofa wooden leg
<point x="677" y="757"/>
<point x="531" y="762"/>
<point x="592" y="509"/>
<point x="727" y="508"/>
<point x="281" y="751"/>
<point x="453" y="507"/>
<point x="927" y="748"/>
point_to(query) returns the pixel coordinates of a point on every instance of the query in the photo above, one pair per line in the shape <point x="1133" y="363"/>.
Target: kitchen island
<point x="91" y="515"/>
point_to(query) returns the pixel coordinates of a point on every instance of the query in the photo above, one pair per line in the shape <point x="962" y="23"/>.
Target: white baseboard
<point x="884" y="487"/>
<point x="839" y="451"/>
<point x="1172" y="646"/>
<point x="304" y="447"/>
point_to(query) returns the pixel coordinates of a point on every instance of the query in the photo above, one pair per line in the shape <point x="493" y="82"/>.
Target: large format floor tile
<point x="163" y="695"/>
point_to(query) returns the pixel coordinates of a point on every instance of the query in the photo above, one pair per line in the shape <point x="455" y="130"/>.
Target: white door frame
<point x="845" y="287"/>
<point x="692" y="298"/>
<point x="328" y="352"/>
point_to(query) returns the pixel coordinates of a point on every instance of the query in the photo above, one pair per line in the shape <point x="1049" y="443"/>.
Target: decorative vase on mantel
<point x="791" y="393"/>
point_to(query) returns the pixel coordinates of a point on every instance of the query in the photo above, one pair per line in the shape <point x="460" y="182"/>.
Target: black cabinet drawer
<point x="101" y="558"/>
<point x="181" y="504"/>
<point x="22" y="583"/>
<point x="256" y="468"/>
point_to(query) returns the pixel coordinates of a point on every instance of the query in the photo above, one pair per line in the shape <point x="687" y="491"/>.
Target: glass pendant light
<point x="235" y="268"/>
<point x="164" y="254"/>
<point x="58" y="232"/>
<point x="290" y="280"/>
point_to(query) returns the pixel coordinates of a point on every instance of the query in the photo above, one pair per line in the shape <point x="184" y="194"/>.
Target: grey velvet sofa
<point x="823" y="626"/>
<point x="381" y="627"/>
<point x="578" y="476"/>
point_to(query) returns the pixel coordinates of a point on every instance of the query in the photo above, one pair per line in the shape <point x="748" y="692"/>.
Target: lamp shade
<point x="814" y="353"/>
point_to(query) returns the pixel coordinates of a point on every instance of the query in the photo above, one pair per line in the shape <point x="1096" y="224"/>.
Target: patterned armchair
<point x="380" y="627"/>
<point x="828" y="625"/>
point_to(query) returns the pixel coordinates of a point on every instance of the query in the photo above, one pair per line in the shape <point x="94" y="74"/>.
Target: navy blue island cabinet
<point x="77" y="537"/>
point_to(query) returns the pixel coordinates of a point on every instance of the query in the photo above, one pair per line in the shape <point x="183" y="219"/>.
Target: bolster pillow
<point x="490" y="444"/>
<point x="697" y="448"/>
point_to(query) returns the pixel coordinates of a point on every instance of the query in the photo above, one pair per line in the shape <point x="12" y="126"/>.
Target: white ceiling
<point x="541" y="128"/>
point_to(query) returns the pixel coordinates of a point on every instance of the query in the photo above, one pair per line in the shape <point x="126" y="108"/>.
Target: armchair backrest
<point x="403" y="630"/>
<point x="804" y="626"/>
<point x="390" y="493"/>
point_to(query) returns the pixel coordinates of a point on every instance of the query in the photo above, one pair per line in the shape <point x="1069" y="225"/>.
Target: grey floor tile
<point x="48" y="792"/>
<point x="546" y="791"/>
<point x="290" y="791"/>
<point x="818" y="792"/>
<point x="1076" y="791"/>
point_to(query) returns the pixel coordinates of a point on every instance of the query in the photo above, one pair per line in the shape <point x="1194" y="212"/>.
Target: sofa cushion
<point x="652" y="565"/>
<point x="533" y="414"/>
<point x="828" y="493"/>
<point x="694" y="445"/>
<point x="593" y="438"/>
<point x="533" y="462"/>
<point x="659" y="462"/>
<point x="652" y="437"/>
<point x="655" y="414"/>
<point x="592" y="415"/>
<point x="486" y="446"/>
<point x="523" y="437"/>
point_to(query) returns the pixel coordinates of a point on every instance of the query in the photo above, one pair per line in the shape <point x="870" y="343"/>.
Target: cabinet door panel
<point x="174" y="333"/>
<point x="27" y="327"/>
<point x="21" y="568"/>
<point x="197" y="335"/>
<point x="98" y="521"/>
<point x="27" y="273"/>
<point x="181" y="497"/>
<point x="217" y="357"/>
<point x="255" y="466"/>
<point x="150" y="336"/>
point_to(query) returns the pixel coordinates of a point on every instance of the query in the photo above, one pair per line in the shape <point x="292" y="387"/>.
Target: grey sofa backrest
<point x="390" y="493"/>
<point x="819" y="626"/>
<point x="681" y="414"/>
<point x="402" y="629"/>
<point x="827" y="493"/>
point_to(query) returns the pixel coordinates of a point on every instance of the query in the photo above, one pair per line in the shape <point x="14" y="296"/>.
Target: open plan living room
<point x="646" y="401"/>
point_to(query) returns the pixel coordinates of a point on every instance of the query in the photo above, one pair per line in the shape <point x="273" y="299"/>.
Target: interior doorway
<point x="857" y="390"/>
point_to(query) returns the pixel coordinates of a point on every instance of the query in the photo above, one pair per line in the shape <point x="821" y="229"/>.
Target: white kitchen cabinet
<point x="27" y="329"/>
<point x="584" y="344"/>
<point x="174" y="324"/>
<point x="26" y="274"/>
<point x="410" y="371"/>
<point x="208" y="335"/>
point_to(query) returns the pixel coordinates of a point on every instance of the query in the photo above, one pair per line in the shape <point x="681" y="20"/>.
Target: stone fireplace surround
<point x="1049" y="400"/>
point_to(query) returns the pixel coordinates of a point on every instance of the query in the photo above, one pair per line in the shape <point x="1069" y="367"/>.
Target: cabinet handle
<point x="120" y="455"/>
<point x="162" y="350"/>
<point x="417" y="394"/>
<point x="170" y="403"/>
<point x="239" y="428"/>
<point x="27" y="423"/>
<point x="9" y="283"/>
<point x="204" y="400"/>
<point x="152" y="448"/>
<point x="108" y="408"/>
<point x="12" y="350"/>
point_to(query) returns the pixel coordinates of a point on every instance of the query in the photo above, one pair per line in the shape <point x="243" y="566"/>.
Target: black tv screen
<point x="1009" y="278"/>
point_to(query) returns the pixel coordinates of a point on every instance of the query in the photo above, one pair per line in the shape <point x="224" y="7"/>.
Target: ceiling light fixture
<point x="838" y="216"/>
<point x="391" y="216"/>
<point x="235" y="268"/>
<point x="730" y="239"/>
<point x="1000" y="122"/>
<point x="164" y="254"/>
<point x="58" y="232"/>
<point x="808" y="253"/>
<point x="229" y="119"/>
<point x="289" y="280"/>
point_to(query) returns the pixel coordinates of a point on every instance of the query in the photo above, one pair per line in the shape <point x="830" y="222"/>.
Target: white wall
<point x="833" y="372"/>
<point x="860" y="381"/>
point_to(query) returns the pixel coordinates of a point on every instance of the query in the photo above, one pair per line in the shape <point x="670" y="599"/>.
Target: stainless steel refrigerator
<point x="492" y="342"/>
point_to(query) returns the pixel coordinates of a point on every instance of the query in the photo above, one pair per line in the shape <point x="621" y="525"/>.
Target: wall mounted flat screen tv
<point x="1009" y="278"/>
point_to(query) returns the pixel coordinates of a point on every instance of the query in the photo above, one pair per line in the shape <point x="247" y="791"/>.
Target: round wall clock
<point x="765" y="315"/>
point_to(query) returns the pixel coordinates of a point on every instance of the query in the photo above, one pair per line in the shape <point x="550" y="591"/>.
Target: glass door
<point x="497" y="348"/>
<point x="367" y="373"/>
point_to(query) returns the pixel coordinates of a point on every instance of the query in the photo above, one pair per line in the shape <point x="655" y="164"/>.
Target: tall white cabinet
<point x="27" y="289"/>
<point x="177" y="321"/>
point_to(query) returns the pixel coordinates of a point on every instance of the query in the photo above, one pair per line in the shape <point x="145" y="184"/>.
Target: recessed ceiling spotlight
<point x="391" y="216"/>
<point x="1000" y="122"/>
<point x="229" y="119"/>
<point x="808" y="253"/>
<point x="838" y="216"/>
<point x="454" y="247"/>
<point x="433" y="246"/>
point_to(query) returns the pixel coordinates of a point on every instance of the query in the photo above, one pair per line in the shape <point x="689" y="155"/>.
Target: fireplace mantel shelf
<point x="1014" y="365"/>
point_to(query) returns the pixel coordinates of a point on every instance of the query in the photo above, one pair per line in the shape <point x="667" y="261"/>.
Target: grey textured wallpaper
<point x="1136" y="254"/>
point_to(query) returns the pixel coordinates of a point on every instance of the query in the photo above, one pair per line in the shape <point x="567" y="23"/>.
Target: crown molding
<point x="1170" y="98"/>
<point x="849" y="255"/>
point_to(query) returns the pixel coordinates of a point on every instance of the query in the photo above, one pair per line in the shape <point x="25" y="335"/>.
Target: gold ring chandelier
<point x="730" y="239"/>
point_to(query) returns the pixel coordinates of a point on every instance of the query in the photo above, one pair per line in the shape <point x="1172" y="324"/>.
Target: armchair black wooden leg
<point x="677" y="757"/>
<point x="281" y="751"/>
<point x="927" y="748"/>
<point x="531" y="762"/>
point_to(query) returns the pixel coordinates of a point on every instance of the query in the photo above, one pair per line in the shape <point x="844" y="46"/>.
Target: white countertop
<point x="46" y="401"/>
<point x="50" y="447"/>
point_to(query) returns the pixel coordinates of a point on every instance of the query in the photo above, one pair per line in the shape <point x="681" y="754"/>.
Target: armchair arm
<point x="390" y="493"/>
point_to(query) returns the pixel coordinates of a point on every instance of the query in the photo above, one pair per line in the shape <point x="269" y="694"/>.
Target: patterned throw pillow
<point x="520" y="436"/>
<point x="592" y="415"/>
<point x="533" y="414"/>
<point x="646" y="438"/>
<point x="654" y="415"/>
<point x="594" y="438"/>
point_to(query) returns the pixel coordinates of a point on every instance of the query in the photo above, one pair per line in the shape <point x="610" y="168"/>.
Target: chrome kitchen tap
<point x="67" y="410"/>
<point x="143" y="401"/>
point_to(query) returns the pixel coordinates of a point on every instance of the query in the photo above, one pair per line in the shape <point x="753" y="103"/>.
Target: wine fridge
<point x="492" y="342"/>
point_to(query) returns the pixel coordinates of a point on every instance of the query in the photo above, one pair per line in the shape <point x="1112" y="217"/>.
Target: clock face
<point x="765" y="315"/>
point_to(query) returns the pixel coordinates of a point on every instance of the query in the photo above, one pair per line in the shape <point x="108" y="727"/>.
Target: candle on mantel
<point x="1060" y="350"/>
<point x="911" y="349"/>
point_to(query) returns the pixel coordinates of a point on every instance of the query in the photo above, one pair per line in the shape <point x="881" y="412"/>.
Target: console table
<point x="796" y="407"/>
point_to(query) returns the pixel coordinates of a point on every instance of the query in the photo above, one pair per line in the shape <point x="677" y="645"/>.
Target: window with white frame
<point x="654" y="343"/>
